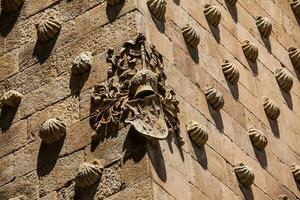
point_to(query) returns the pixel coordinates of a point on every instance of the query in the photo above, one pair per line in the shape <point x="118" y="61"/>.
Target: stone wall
<point x="135" y="168"/>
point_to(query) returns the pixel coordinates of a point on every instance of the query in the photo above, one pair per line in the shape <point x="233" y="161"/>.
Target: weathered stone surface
<point x="6" y="169"/>
<point x="8" y="65"/>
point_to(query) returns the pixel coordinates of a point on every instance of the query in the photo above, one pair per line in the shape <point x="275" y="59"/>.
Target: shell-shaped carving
<point x="296" y="6"/>
<point x="113" y="2"/>
<point x="244" y="174"/>
<point x="212" y="14"/>
<point x="250" y="50"/>
<point x="190" y="35"/>
<point x="22" y="197"/>
<point x="258" y="139"/>
<point x="9" y="6"/>
<point x="52" y="131"/>
<point x="271" y="109"/>
<point x="11" y="98"/>
<point x="157" y="8"/>
<point x="82" y="63"/>
<point x="264" y="26"/>
<point x="214" y="97"/>
<point x="231" y="2"/>
<point x="197" y="133"/>
<point x="87" y="174"/>
<point x="230" y="71"/>
<point x="295" y="56"/>
<point x="282" y="197"/>
<point x="48" y="29"/>
<point x="284" y="79"/>
<point x="296" y="172"/>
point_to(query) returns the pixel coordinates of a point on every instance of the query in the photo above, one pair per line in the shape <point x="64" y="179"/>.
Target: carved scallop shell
<point x="284" y="79"/>
<point x="9" y="6"/>
<point x="190" y="35"/>
<point x="244" y="174"/>
<point x="296" y="172"/>
<point x="88" y="174"/>
<point x="214" y="97"/>
<point x="295" y="56"/>
<point x="264" y="26"/>
<point x="230" y="71"/>
<point x="250" y="50"/>
<point x="258" y="139"/>
<point x="157" y="8"/>
<point x="113" y="2"/>
<point x="231" y="2"/>
<point x="11" y="98"/>
<point x="52" y="131"/>
<point x="296" y="6"/>
<point x="212" y="14"/>
<point x="197" y="133"/>
<point x="48" y="29"/>
<point x="82" y="63"/>
<point x="282" y="197"/>
<point x="271" y="109"/>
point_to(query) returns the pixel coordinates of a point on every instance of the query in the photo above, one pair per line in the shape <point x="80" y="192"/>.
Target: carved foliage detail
<point x="271" y="109"/>
<point x="52" y="131"/>
<point x="295" y="56"/>
<point x="284" y="79"/>
<point x="197" y="133"/>
<point x="230" y="71"/>
<point x="296" y="6"/>
<point x="11" y="98"/>
<point x="264" y="26"/>
<point x="258" y="139"/>
<point x="157" y="8"/>
<point x="231" y="2"/>
<point x="190" y="35"/>
<point x="244" y="174"/>
<point x="296" y="172"/>
<point x="82" y="63"/>
<point x="214" y="97"/>
<point x="113" y="2"/>
<point x="9" y="6"/>
<point x="250" y="50"/>
<point x="212" y="14"/>
<point x="48" y="29"/>
<point x="88" y="174"/>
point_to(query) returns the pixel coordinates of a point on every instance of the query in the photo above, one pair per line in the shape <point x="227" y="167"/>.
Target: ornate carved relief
<point x="157" y="8"/>
<point x="244" y="174"/>
<point x="88" y="174"/>
<point x="282" y="197"/>
<point x="295" y="56"/>
<point x="258" y="139"/>
<point x="296" y="172"/>
<point x="82" y="63"/>
<point x="9" y="6"/>
<point x="197" y="133"/>
<point x="230" y="71"/>
<point x="296" y="6"/>
<point x="113" y="2"/>
<point x="284" y="79"/>
<point x="212" y="14"/>
<point x="48" y="29"/>
<point x="214" y="97"/>
<point x="264" y="26"/>
<point x="190" y="35"/>
<point x="11" y="98"/>
<point x="134" y="93"/>
<point x="231" y="2"/>
<point x="52" y="131"/>
<point x="271" y="109"/>
<point x="250" y="50"/>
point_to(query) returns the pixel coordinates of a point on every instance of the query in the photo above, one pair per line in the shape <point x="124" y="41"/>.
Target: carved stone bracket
<point x="88" y="174"/>
<point x="296" y="7"/>
<point x="296" y="172"/>
<point x="157" y="8"/>
<point x="48" y="29"/>
<point x="197" y="133"/>
<point x="212" y="14"/>
<point x="11" y="98"/>
<point x="250" y="50"/>
<point x="244" y="174"/>
<point x="264" y="26"/>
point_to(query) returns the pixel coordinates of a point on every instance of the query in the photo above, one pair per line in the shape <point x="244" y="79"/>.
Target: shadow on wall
<point x="7" y="115"/>
<point x="247" y="192"/>
<point x="216" y="115"/>
<point x="233" y="11"/>
<point x="113" y="11"/>
<point x="77" y="82"/>
<point x="8" y="20"/>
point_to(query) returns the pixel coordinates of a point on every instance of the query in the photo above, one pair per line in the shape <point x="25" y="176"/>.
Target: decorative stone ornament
<point x="190" y="35"/>
<point x="82" y="63"/>
<point x="231" y="2"/>
<point x="11" y="99"/>
<point x="230" y="71"/>
<point x="264" y="26"/>
<point x="258" y="139"/>
<point x="48" y="29"/>
<point x="271" y="109"/>
<point x="296" y="7"/>
<point x="10" y="6"/>
<point x="212" y="14"/>
<point x="282" y="197"/>
<point x="296" y="172"/>
<point x="157" y="8"/>
<point x="197" y="133"/>
<point x="214" y="97"/>
<point x="134" y="93"/>
<point x="113" y="2"/>
<point x="284" y="79"/>
<point x="244" y="174"/>
<point x="295" y="56"/>
<point x="52" y="131"/>
<point x="250" y="50"/>
<point x="88" y="174"/>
